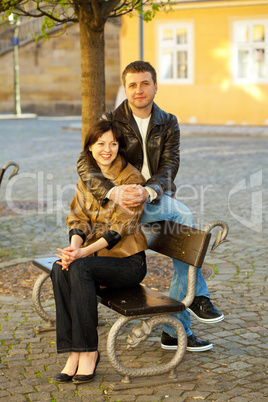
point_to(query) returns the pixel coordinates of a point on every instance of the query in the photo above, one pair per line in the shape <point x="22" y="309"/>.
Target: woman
<point x="107" y="248"/>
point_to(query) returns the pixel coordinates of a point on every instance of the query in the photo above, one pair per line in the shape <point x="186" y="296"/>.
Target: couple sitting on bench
<point x="111" y="201"/>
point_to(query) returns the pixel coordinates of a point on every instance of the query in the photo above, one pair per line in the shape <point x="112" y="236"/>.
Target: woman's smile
<point x="106" y="156"/>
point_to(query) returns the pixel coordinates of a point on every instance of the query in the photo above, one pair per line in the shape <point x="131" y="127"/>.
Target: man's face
<point x="140" y="90"/>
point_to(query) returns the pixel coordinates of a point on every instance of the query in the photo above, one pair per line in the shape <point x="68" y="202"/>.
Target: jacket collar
<point x="124" y="114"/>
<point x="115" y="168"/>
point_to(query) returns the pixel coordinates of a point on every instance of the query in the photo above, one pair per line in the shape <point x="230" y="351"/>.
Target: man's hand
<point x="129" y="196"/>
<point x="134" y="195"/>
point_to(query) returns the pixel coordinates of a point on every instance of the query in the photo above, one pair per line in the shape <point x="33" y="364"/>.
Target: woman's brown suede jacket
<point x="120" y="229"/>
<point x="162" y="147"/>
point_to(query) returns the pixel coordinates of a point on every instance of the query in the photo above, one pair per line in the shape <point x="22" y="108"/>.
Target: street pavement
<point x="223" y="176"/>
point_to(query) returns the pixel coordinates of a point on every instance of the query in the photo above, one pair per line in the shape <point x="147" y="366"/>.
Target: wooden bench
<point x="153" y="308"/>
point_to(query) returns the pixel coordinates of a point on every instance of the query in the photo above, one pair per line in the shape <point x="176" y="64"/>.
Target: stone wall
<point x="50" y="74"/>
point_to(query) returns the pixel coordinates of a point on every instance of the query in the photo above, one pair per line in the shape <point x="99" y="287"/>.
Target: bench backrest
<point x="169" y="238"/>
<point x="178" y="241"/>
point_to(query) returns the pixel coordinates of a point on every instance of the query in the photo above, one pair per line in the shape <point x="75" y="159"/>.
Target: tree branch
<point x="97" y="13"/>
<point x="110" y="5"/>
<point x="126" y="7"/>
<point x="43" y="13"/>
<point x="52" y="17"/>
<point x="5" y="6"/>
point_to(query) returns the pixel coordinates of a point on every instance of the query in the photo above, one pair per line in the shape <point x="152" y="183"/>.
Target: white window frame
<point x="250" y="46"/>
<point x="188" y="47"/>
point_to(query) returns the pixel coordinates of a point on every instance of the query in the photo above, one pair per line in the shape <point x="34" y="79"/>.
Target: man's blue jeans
<point x="170" y="209"/>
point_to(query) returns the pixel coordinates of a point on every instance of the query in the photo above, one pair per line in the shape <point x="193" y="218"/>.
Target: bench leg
<point x="49" y="318"/>
<point x="189" y="298"/>
<point x="141" y="333"/>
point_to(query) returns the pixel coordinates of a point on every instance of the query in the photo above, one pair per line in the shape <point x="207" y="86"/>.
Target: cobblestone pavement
<point x="222" y="176"/>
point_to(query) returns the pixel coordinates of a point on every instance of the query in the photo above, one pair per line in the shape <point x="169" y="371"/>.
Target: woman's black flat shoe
<point x="62" y="377"/>
<point x="80" y="379"/>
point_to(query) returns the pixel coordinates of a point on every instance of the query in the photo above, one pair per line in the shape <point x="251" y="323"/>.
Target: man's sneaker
<point x="196" y="345"/>
<point x="204" y="311"/>
<point x="193" y="344"/>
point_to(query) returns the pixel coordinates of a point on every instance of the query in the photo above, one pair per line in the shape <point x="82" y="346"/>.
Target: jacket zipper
<point x="146" y="143"/>
<point x="140" y="141"/>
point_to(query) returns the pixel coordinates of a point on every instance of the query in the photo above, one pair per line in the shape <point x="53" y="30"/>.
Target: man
<point x="152" y="145"/>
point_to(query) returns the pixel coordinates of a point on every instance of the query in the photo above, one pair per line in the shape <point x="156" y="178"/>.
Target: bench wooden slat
<point x="139" y="300"/>
<point x="178" y="241"/>
<point x="45" y="264"/>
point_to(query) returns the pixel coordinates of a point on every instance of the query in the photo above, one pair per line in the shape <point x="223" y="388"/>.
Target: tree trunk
<point x="92" y="72"/>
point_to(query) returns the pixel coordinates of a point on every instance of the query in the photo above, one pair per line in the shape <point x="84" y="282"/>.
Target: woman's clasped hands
<point x="68" y="255"/>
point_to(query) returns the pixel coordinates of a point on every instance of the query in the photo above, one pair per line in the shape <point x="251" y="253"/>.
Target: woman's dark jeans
<point x="75" y="296"/>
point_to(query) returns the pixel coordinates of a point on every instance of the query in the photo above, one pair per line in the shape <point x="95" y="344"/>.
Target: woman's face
<point x="105" y="150"/>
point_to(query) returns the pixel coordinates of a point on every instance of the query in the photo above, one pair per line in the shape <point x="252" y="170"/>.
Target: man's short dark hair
<point x="139" y="66"/>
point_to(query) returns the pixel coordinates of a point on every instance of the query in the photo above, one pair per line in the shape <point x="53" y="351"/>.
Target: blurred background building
<point x="211" y="58"/>
<point x="50" y="72"/>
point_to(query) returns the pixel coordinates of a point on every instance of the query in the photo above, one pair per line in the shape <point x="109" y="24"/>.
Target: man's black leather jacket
<point x="162" y="147"/>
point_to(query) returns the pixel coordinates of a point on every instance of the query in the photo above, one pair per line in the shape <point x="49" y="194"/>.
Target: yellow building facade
<point x="211" y="58"/>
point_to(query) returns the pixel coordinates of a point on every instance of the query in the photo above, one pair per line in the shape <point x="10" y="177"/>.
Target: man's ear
<point x="156" y="87"/>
